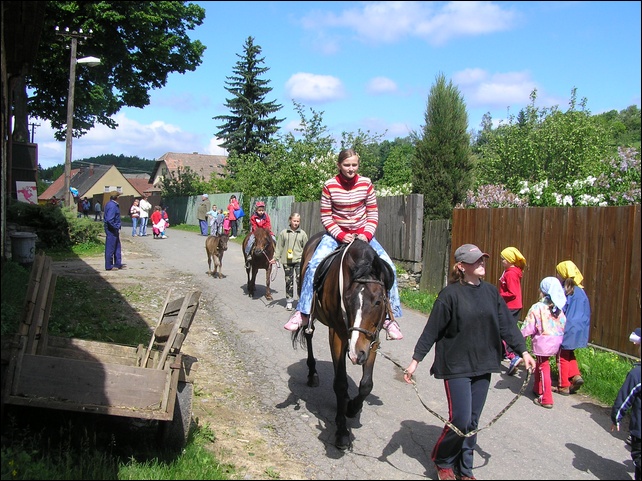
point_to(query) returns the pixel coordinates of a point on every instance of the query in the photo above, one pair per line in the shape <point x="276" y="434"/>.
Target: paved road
<point x="394" y="434"/>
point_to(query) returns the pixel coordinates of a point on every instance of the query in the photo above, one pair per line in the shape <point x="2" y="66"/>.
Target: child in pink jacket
<point x="545" y="323"/>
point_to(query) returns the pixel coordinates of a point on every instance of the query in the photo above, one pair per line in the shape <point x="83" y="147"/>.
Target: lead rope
<point x="448" y="423"/>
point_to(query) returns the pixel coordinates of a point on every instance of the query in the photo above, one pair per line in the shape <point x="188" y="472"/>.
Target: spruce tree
<point x="443" y="163"/>
<point x="250" y="123"/>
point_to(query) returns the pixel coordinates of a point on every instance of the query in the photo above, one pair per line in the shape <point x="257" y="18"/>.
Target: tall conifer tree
<point x="443" y="164"/>
<point x="251" y="122"/>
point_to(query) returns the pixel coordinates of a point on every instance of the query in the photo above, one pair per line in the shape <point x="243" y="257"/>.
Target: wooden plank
<point x="62" y="382"/>
<point x="184" y="321"/>
<point x="153" y="338"/>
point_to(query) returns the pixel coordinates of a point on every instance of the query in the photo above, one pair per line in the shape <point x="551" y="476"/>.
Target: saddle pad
<point x="324" y="265"/>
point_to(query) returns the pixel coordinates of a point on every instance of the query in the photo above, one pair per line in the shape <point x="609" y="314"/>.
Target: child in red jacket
<point x="259" y="218"/>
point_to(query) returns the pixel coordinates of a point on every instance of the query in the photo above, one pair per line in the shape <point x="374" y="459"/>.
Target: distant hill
<point x="126" y="164"/>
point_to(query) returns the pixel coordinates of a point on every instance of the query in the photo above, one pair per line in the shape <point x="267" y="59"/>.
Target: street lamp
<point x="92" y="62"/>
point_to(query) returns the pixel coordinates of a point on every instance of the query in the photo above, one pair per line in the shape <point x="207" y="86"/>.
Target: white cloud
<point x="147" y="141"/>
<point x="307" y="87"/>
<point x="388" y="22"/>
<point x="381" y="85"/>
<point x="482" y="89"/>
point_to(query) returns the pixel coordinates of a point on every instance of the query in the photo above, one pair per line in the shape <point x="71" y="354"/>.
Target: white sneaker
<point x="288" y="306"/>
<point x="163" y="237"/>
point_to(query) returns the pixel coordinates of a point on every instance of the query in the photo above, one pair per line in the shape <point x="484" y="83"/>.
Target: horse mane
<point x="371" y="265"/>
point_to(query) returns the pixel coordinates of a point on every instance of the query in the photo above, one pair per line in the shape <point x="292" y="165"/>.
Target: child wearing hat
<point x="629" y="398"/>
<point x="259" y="218"/>
<point x="545" y="323"/>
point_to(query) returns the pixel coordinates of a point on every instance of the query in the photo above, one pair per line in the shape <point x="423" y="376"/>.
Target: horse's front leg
<point x="338" y="350"/>
<point x="268" y="293"/>
<point x="365" y="386"/>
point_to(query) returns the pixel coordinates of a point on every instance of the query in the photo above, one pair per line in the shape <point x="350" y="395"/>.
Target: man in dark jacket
<point x="112" y="224"/>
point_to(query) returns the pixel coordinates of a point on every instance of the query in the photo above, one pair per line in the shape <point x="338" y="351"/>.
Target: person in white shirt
<point x="145" y="208"/>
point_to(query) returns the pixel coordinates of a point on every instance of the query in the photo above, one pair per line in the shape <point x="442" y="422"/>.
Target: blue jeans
<point x="325" y="247"/>
<point x="143" y="225"/>
<point x="135" y="221"/>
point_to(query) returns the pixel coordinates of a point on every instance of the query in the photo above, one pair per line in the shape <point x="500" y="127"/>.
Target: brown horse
<point x="215" y="246"/>
<point x="262" y="251"/>
<point x="351" y="299"/>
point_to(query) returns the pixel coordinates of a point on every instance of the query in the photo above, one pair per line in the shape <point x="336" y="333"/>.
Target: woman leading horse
<point x="350" y="298"/>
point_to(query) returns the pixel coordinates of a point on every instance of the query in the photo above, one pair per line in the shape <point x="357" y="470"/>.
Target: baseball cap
<point x="635" y="336"/>
<point x="469" y="253"/>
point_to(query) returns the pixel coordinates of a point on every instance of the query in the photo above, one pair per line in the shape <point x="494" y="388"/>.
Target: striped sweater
<point x="349" y="207"/>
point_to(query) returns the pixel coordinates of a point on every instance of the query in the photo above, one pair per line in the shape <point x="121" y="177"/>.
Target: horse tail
<point x="298" y="338"/>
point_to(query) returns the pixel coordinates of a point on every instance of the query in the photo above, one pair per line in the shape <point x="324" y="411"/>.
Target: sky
<point x="370" y="66"/>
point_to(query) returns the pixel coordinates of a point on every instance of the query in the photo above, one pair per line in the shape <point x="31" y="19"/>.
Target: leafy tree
<point x="543" y="145"/>
<point x="442" y="165"/>
<point x="182" y="182"/>
<point x="293" y="164"/>
<point x="139" y="44"/>
<point x="250" y="123"/>
<point x="397" y="168"/>
<point x="367" y="146"/>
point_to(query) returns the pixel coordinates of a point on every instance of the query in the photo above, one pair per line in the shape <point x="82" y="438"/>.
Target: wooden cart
<point x="147" y="382"/>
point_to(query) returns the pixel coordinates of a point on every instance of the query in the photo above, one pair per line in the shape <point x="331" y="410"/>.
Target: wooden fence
<point x="604" y="243"/>
<point x="400" y="226"/>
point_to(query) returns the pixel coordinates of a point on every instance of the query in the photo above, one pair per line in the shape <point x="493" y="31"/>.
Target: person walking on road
<point x="467" y="323"/>
<point x="113" y="257"/>
<point x="576" y="332"/>
<point x="98" y="211"/>
<point x="544" y="324"/>
<point x="510" y="288"/>
<point x="289" y="249"/>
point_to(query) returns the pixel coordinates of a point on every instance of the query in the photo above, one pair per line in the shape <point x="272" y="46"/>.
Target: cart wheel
<point x="174" y="433"/>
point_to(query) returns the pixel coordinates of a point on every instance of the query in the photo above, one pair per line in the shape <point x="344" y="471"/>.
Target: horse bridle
<point x="371" y="335"/>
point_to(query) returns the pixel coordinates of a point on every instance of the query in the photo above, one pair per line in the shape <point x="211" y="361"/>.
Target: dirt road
<point x="252" y="390"/>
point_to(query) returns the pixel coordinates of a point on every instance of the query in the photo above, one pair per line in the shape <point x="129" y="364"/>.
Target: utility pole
<point x="70" y="102"/>
<point x="33" y="126"/>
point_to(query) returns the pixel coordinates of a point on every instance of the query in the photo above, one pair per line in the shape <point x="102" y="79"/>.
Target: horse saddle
<point x="324" y="265"/>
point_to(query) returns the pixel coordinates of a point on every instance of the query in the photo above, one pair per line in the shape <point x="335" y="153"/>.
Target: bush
<point x="56" y="227"/>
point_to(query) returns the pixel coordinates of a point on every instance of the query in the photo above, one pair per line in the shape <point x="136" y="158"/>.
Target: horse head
<point x="222" y="242"/>
<point x="365" y="297"/>
<point x="263" y="243"/>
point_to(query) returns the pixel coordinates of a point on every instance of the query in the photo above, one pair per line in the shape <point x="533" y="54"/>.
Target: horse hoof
<point x="313" y="381"/>
<point x="343" y="442"/>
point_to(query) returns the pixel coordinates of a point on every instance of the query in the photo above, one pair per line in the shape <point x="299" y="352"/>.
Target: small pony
<point x="215" y="246"/>
<point x="351" y="298"/>
<point x="262" y="252"/>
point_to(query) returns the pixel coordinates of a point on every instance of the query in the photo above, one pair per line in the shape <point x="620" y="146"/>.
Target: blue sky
<point x="370" y="66"/>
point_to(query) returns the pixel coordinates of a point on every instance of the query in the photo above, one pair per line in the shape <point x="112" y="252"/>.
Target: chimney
<point x="91" y="169"/>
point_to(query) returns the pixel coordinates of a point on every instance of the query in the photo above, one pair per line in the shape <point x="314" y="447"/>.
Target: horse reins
<point x="448" y="423"/>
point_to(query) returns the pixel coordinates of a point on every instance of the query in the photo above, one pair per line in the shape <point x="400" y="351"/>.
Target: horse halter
<point x="374" y="336"/>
